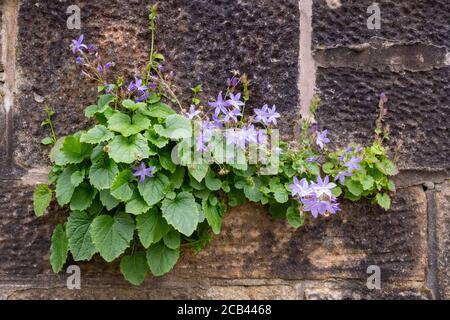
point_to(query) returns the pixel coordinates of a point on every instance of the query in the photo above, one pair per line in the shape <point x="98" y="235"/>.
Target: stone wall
<point x="290" y="49"/>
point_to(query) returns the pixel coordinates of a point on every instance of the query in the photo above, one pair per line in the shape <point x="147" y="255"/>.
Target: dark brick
<point x="418" y="109"/>
<point x="403" y="21"/>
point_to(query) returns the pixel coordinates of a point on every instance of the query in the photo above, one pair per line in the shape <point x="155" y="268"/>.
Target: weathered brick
<point x="442" y="200"/>
<point x="402" y="21"/>
<point x="418" y="108"/>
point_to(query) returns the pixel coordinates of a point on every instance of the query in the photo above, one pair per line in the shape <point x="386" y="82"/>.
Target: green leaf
<point x="328" y="168"/>
<point x="77" y="178"/>
<point x="156" y="139"/>
<point x="97" y="134"/>
<point x="336" y="191"/>
<point x="58" y="249"/>
<point x="108" y="200"/>
<point x="165" y="160"/>
<point x="154" y="189"/>
<point x="177" y="127"/>
<point x="122" y="123"/>
<point x="212" y="216"/>
<point x="129" y="150"/>
<point x="46" y="141"/>
<point x="112" y="235"/>
<point x="134" y="267"/>
<point x="158" y="110"/>
<point x="161" y="259"/>
<point x="103" y="172"/>
<point x="82" y="197"/>
<point x="198" y="171"/>
<point x="152" y="227"/>
<point x="294" y="218"/>
<point x="383" y="200"/>
<point x="280" y="193"/>
<point x="80" y="242"/>
<point x="132" y="106"/>
<point x="136" y="205"/>
<point x="354" y="187"/>
<point x="182" y="213"/>
<point x="212" y="182"/>
<point x="177" y="177"/>
<point x="121" y="188"/>
<point x="252" y="193"/>
<point x="74" y="151"/>
<point x="387" y="167"/>
<point x="41" y="199"/>
<point x="367" y="182"/>
<point x="102" y="105"/>
<point x="64" y="186"/>
<point x="172" y="239"/>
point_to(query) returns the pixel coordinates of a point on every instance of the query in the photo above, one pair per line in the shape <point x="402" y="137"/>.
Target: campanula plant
<point x="154" y="177"/>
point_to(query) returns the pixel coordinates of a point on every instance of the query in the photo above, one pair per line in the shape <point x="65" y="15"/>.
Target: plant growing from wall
<point x="147" y="182"/>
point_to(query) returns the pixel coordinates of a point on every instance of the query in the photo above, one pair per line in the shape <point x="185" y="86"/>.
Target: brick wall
<point x="291" y="49"/>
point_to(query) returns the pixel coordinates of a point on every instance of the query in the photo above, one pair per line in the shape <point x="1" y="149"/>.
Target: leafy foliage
<point x="137" y="193"/>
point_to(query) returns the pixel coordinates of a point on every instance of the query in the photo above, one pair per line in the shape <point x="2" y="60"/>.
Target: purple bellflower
<point x="353" y="164"/>
<point x="78" y="46"/>
<point x="323" y="187"/>
<point x="301" y="188"/>
<point x="142" y="172"/>
<point x="219" y="105"/>
<point x="266" y="115"/>
<point x="235" y="100"/>
<point x="193" y="113"/>
<point x="322" y="139"/>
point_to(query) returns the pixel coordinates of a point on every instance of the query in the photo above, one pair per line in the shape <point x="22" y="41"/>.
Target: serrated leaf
<point x="158" y="110"/>
<point x="134" y="267"/>
<point x="42" y="197"/>
<point x="102" y="105"/>
<point x="108" y="200"/>
<point x="74" y="151"/>
<point x="252" y="193"/>
<point x="128" y="150"/>
<point x="295" y="219"/>
<point x="103" y="172"/>
<point x="133" y="106"/>
<point x="182" y="213"/>
<point x="198" y="171"/>
<point x="136" y="205"/>
<point x="122" y="123"/>
<point x="77" y="178"/>
<point x="154" y="189"/>
<point x="121" y="189"/>
<point x="166" y="162"/>
<point x="367" y="182"/>
<point x="161" y="259"/>
<point x="82" y="197"/>
<point x="80" y="242"/>
<point x="354" y="187"/>
<point x="172" y="239"/>
<point x="156" y="139"/>
<point x="177" y="127"/>
<point x="387" y="167"/>
<point x="213" y="216"/>
<point x="383" y="200"/>
<point x="112" y="235"/>
<point x="337" y="191"/>
<point x="212" y="182"/>
<point x="58" y="249"/>
<point x="152" y="227"/>
<point x="46" y="141"/>
<point x="97" y="134"/>
<point x="64" y="186"/>
<point x="177" y="177"/>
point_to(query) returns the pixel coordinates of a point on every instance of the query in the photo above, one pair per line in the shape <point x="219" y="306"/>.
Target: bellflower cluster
<point x="351" y="159"/>
<point x="316" y="197"/>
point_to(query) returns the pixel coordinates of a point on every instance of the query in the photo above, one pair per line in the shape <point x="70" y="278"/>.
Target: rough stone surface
<point x="202" y="41"/>
<point x="442" y="198"/>
<point x="402" y="21"/>
<point x="418" y="108"/>
<point x="255" y="257"/>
